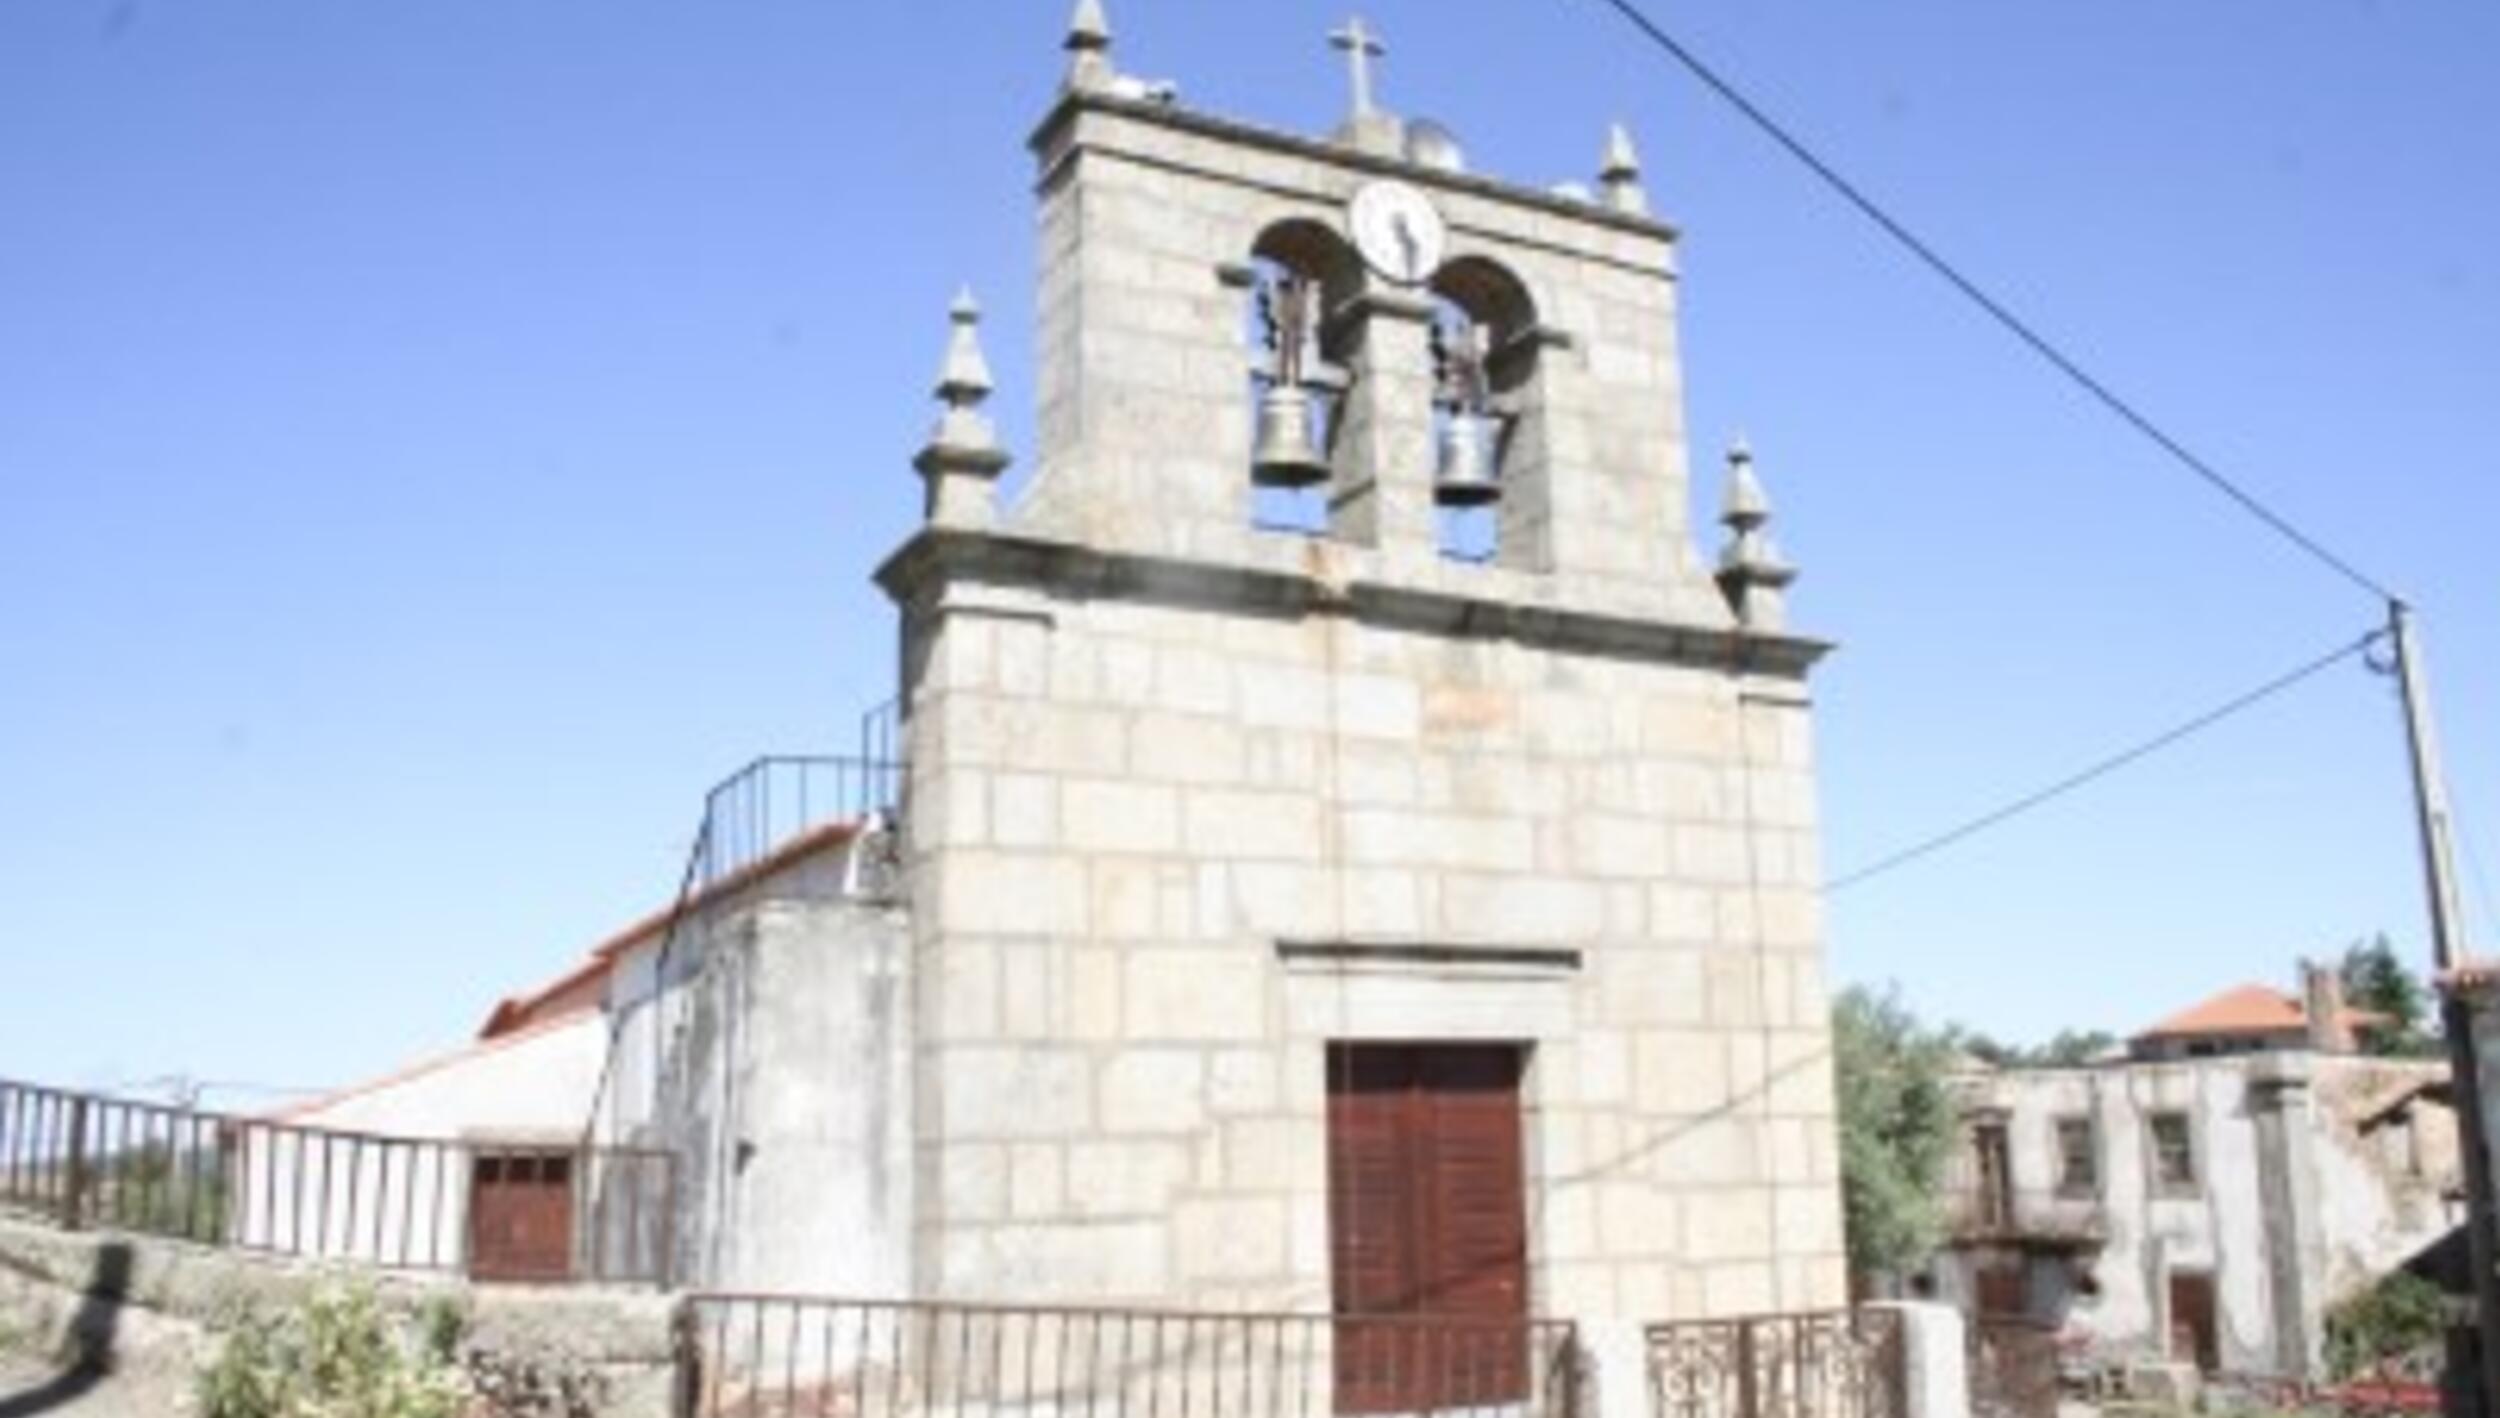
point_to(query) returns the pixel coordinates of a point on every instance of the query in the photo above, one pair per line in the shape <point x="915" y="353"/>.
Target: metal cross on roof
<point x="1361" y="47"/>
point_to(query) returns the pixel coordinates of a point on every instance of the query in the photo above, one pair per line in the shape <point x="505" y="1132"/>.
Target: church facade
<point x="1409" y="903"/>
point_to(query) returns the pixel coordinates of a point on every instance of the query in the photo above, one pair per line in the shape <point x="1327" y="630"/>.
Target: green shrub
<point x="342" y="1355"/>
<point x="2397" y="1323"/>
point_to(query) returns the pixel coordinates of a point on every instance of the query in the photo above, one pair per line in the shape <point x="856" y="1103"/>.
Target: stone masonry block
<point x="1000" y="893"/>
<point x="1243" y="1080"/>
<point x="1024" y="810"/>
<point x="1117" y="815"/>
<point x="1679" y="1071"/>
<point x="1254" y="826"/>
<point x="1154" y="1091"/>
<point x="1125" y="892"/>
<point x="972" y="1181"/>
<point x="1211" y="993"/>
<point x="1230" y="1238"/>
<point x="1185" y="748"/>
<point x="1036" y="1180"/>
<point x="1015" y="1092"/>
<point x="1521" y="910"/>
<point x="1094" y="992"/>
<point x="1727" y="1223"/>
<point x="1125" y="1176"/>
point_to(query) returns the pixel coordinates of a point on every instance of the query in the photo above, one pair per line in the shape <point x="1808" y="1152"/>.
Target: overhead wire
<point x="2106" y="766"/>
<point x="1996" y="310"/>
<point x="2482" y="893"/>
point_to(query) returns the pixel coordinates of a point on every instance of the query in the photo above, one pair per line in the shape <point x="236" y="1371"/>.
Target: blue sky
<point x="436" y="441"/>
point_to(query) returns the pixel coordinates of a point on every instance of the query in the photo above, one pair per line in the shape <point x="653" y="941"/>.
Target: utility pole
<point x="2448" y="952"/>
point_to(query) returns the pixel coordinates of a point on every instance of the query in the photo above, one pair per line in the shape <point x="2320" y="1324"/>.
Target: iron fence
<point x="780" y="1356"/>
<point x="1818" y="1364"/>
<point x="498" y="1211"/>
<point x="777" y="798"/>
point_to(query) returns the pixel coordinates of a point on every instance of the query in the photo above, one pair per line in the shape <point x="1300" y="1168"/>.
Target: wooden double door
<point x="1428" y="1228"/>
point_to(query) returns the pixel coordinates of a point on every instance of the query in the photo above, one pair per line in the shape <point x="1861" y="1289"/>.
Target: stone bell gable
<point x="1152" y="217"/>
<point x="1295" y="909"/>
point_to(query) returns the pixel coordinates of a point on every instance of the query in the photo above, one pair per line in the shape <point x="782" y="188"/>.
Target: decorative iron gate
<point x="1819" y="1364"/>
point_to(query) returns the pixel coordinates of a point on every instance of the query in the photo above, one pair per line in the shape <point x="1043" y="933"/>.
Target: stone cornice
<point x="1075" y="101"/>
<point x="938" y="556"/>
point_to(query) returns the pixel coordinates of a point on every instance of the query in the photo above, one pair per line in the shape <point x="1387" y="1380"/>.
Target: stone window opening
<point x="1489" y="493"/>
<point x="2174" y="1152"/>
<point x="1993" y="1161"/>
<point x="2078" y="1158"/>
<point x="1298" y="374"/>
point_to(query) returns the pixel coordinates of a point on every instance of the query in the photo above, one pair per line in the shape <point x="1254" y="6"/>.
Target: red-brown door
<point x="2192" y="1337"/>
<point x="1427" y="1225"/>
<point x="521" y="1216"/>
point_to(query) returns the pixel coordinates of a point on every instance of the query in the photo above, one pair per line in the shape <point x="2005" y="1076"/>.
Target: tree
<point x="2068" y="1048"/>
<point x="2374" y="978"/>
<point x="1897" y="1126"/>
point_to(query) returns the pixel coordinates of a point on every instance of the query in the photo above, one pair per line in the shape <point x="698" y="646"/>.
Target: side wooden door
<point x="521" y="1216"/>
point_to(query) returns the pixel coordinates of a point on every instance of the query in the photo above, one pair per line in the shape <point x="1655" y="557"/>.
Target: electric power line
<point x="2105" y="766"/>
<point x="1995" y="309"/>
<point x="2474" y="866"/>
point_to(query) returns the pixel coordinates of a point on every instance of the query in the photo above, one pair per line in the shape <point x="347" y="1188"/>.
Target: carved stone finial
<point x="1752" y="574"/>
<point x="1619" y="174"/>
<point x="1089" y="47"/>
<point x="962" y="460"/>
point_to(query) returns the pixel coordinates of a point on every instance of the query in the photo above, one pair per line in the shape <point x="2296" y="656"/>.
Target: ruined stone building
<point x="2205" y="1196"/>
<point x="1350" y="847"/>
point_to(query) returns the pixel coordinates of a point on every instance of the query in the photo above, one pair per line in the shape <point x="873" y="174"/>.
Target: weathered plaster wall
<point x="781" y="1048"/>
<point x="2286" y="1219"/>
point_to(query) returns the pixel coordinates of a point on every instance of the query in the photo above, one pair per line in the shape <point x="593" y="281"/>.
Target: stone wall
<point x="1162" y="853"/>
<point x="149" y="1311"/>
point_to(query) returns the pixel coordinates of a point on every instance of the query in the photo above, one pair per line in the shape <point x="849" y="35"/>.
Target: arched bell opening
<point x="1299" y="271"/>
<point x="1488" y="469"/>
<point x="1484" y="364"/>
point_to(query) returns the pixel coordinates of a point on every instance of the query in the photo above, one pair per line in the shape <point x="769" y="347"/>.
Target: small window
<point x="2174" y="1154"/>
<point x="1994" y="1161"/>
<point x="2078" y="1162"/>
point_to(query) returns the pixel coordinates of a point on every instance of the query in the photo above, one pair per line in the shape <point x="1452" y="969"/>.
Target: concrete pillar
<point x="2278" y="1102"/>
<point x="1935" y="1382"/>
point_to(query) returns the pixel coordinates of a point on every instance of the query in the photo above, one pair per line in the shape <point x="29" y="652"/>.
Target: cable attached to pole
<point x="2109" y="765"/>
<point x="1996" y="310"/>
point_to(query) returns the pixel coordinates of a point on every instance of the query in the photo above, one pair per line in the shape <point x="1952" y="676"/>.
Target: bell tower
<point x="1345" y="698"/>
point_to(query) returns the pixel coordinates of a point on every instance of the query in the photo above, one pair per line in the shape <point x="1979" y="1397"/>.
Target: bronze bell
<point x="1284" y="455"/>
<point x="1463" y="476"/>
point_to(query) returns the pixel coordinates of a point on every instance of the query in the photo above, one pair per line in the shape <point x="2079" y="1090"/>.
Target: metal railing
<point x="781" y="1356"/>
<point x="518" y="1211"/>
<point x="1818" y="1364"/>
<point x="775" y="799"/>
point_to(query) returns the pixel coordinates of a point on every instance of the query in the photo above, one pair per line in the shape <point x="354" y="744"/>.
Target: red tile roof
<point x="2248" y="1009"/>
